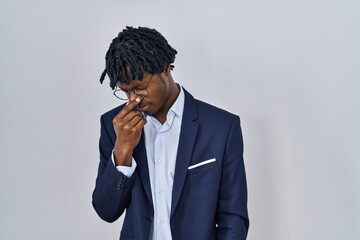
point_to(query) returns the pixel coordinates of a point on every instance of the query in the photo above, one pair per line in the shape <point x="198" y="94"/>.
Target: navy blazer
<point x="208" y="201"/>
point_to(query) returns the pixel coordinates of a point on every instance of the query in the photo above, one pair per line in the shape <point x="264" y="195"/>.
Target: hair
<point x="135" y="50"/>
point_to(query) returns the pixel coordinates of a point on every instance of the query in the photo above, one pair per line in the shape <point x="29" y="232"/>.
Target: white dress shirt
<point x="161" y="142"/>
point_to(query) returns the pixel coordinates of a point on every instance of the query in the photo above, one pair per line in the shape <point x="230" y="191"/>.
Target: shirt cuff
<point x="127" y="171"/>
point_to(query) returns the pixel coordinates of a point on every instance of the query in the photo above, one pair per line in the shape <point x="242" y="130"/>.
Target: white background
<point x="290" y="69"/>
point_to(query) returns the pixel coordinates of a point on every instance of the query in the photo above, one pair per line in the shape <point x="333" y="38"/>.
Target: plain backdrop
<point x="289" y="69"/>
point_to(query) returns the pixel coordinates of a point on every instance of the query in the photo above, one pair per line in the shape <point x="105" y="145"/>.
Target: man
<point x="174" y="163"/>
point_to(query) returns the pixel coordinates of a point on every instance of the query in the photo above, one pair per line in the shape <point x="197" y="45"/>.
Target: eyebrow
<point x="122" y="89"/>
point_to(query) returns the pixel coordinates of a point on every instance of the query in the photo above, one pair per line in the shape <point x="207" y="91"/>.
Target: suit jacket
<point x="209" y="199"/>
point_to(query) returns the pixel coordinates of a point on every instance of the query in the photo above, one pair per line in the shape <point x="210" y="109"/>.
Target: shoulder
<point x="205" y="111"/>
<point x="214" y="119"/>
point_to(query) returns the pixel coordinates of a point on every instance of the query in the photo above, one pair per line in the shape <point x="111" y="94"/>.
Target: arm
<point x="232" y="216"/>
<point x="113" y="189"/>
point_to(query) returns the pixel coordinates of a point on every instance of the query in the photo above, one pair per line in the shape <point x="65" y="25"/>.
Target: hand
<point x="128" y="124"/>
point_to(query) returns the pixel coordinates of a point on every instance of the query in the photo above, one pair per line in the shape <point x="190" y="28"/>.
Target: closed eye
<point x="140" y="87"/>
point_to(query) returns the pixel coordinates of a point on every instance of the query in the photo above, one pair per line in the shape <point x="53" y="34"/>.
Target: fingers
<point x="128" y="117"/>
<point x="129" y="107"/>
<point x="131" y="120"/>
<point x="128" y="124"/>
<point x="140" y="124"/>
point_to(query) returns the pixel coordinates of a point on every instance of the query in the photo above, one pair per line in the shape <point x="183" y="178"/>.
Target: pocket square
<point x="202" y="163"/>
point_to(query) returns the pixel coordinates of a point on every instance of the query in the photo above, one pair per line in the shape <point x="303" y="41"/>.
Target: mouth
<point x="143" y="107"/>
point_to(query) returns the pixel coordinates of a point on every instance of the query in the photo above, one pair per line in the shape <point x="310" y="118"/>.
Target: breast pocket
<point x="202" y="166"/>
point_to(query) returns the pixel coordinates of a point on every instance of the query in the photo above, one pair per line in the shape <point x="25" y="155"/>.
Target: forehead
<point x="135" y="82"/>
<point x="131" y="85"/>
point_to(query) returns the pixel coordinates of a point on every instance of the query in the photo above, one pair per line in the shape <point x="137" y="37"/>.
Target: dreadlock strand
<point x="134" y="51"/>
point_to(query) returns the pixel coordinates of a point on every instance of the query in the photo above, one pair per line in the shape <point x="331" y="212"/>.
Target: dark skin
<point x="162" y="92"/>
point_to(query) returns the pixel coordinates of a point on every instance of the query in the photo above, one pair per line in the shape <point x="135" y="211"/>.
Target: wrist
<point x="122" y="157"/>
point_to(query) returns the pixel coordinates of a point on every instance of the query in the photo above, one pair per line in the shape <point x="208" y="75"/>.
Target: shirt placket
<point x="159" y="184"/>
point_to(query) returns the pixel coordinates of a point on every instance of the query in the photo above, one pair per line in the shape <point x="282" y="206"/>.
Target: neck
<point x="174" y="93"/>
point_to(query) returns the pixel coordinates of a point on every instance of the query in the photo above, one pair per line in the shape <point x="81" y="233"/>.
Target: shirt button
<point x="161" y="191"/>
<point x="162" y="221"/>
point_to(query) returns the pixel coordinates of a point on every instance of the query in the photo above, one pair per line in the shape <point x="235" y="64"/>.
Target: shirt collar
<point x="178" y="106"/>
<point x="176" y="109"/>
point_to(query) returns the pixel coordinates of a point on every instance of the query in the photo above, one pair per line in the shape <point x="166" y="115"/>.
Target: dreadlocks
<point x="136" y="50"/>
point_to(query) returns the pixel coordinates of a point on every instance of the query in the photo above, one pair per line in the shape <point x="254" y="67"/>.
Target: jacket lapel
<point x="188" y="134"/>
<point x="142" y="166"/>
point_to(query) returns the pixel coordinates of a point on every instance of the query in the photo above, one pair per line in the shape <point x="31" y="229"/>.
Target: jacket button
<point x="149" y="218"/>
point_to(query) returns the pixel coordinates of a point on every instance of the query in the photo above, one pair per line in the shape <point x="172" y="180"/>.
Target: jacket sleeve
<point x="232" y="215"/>
<point x="112" y="189"/>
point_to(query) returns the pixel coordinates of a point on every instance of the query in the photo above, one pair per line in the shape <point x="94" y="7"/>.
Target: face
<point x="158" y="96"/>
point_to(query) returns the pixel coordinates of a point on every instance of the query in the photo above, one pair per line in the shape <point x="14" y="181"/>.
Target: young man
<point x="174" y="163"/>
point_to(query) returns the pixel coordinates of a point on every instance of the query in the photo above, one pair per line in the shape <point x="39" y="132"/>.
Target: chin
<point x="151" y="112"/>
<point x="148" y="112"/>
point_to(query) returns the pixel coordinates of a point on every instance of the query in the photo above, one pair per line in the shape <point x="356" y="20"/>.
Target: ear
<point x="167" y="70"/>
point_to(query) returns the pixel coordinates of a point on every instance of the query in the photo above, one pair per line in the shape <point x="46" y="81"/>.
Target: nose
<point x="132" y="96"/>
